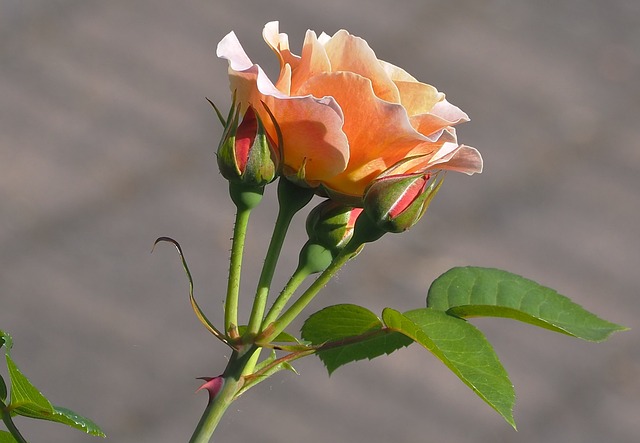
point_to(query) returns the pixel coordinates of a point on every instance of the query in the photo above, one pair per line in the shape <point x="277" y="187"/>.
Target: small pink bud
<point x="245" y="137"/>
<point x="246" y="154"/>
<point x="396" y="202"/>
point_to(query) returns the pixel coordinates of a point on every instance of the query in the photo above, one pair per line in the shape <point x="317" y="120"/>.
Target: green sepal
<point x="223" y="121"/>
<point x="225" y="154"/>
<point x="474" y="291"/>
<point x="463" y="349"/>
<point x="346" y="333"/>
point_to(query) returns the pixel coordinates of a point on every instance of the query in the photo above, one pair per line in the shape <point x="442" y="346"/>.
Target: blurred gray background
<point x="107" y="142"/>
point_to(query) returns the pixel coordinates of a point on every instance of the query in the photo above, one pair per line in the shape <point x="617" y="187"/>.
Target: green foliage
<point x="347" y="333"/>
<point x="464" y="350"/>
<point x="6" y="437"/>
<point x="70" y="418"/>
<point x="26" y="400"/>
<point x="472" y="292"/>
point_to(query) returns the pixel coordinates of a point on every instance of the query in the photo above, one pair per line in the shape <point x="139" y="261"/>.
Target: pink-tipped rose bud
<point x="396" y="202"/>
<point x="246" y="154"/>
<point x="330" y="224"/>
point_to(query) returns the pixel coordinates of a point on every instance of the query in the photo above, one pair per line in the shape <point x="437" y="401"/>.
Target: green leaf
<point x="472" y="292"/>
<point x="347" y="333"/>
<point x="6" y="437"/>
<point x="464" y="350"/>
<point x="70" y="418"/>
<point x="25" y="398"/>
<point x="339" y="321"/>
<point x="27" y="401"/>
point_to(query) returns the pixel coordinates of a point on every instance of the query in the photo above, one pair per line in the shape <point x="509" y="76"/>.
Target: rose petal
<point x="442" y="115"/>
<point x="312" y="135"/>
<point x="352" y="54"/>
<point x="429" y="124"/>
<point x="458" y="158"/>
<point x="396" y="73"/>
<point x="418" y="98"/>
<point x="344" y="115"/>
<point x="314" y="61"/>
<point x="324" y="38"/>
<point x="311" y="127"/>
<point x="379" y="132"/>
<point x="446" y="134"/>
<point x="284" y="81"/>
<point x="449" y="112"/>
<point x="279" y="42"/>
<point x="231" y="49"/>
<point x="450" y="156"/>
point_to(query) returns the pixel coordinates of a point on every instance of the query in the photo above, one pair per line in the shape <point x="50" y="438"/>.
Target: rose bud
<point x="330" y="224"/>
<point x="396" y="202"/>
<point x="246" y="154"/>
<point x="330" y="228"/>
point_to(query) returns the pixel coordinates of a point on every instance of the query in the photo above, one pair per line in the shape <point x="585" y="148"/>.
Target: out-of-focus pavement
<point x="107" y="142"/>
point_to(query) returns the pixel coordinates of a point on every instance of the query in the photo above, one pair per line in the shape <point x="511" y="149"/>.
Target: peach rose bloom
<point x="345" y="116"/>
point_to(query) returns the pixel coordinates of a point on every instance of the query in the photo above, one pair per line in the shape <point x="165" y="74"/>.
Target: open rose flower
<point x="345" y="116"/>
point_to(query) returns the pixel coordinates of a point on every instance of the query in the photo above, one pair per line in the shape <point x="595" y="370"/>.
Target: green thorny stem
<point x="291" y="199"/>
<point x="233" y="379"/>
<point x="244" y="357"/>
<point x="239" y="370"/>
<point x="273" y="329"/>
<point x="364" y="232"/>
<point x="245" y="199"/>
